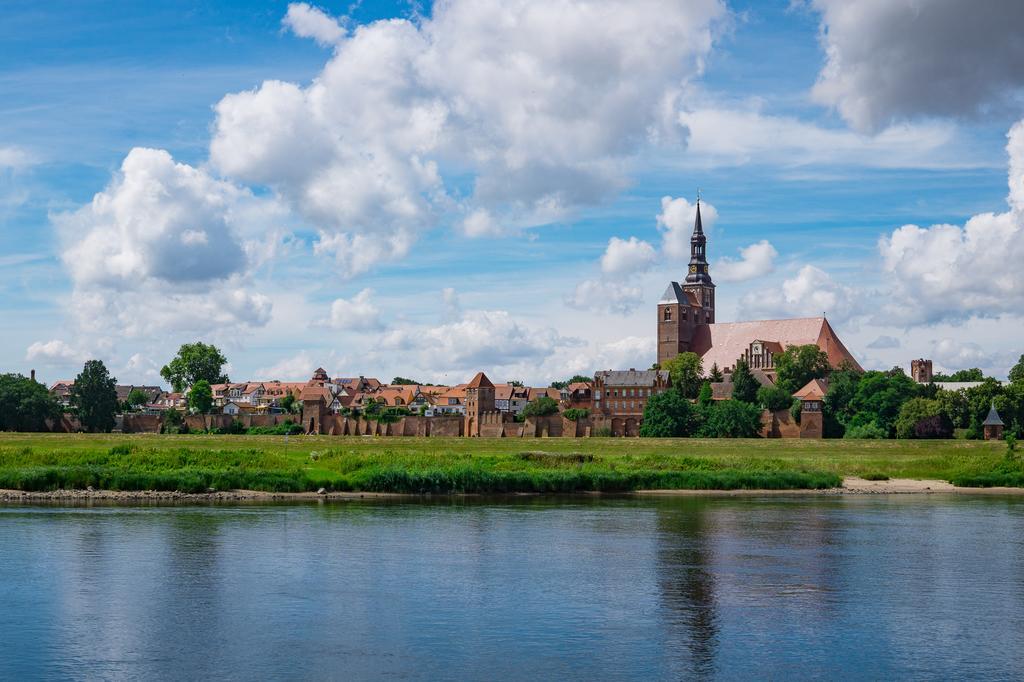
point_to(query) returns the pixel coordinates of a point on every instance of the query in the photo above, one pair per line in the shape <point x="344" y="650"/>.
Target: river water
<point x="586" y="588"/>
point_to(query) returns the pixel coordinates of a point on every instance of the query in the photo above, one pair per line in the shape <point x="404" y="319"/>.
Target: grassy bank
<point x="195" y="463"/>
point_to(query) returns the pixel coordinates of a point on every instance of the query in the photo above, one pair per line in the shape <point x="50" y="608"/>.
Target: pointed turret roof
<point x="993" y="417"/>
<point x="480" y="381"/>
<point x="698" y="227"/>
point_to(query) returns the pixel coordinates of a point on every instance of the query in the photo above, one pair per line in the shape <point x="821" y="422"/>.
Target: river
<point x="858" y="587"/>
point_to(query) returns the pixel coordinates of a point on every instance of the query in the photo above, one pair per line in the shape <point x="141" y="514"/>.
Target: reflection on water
<point x="844" y="587"/>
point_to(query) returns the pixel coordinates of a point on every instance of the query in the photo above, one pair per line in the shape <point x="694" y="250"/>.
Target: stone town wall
<point x="779" y="424"/>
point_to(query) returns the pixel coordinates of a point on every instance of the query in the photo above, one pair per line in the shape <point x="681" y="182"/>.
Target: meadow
<point x="197" y="463"/>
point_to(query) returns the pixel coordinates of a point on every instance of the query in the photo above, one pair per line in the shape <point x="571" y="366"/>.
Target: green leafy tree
<point x="686" y="371"/>
<point x="774" y="398"/>
<point x="541" y="407"/>
<point x="200" y="397"/>
<point x="923" y="418"/>
<point x="25" y="405"/>
<point x="576" y="414"/>
<point x="867" y="431"/>
<point x="94" y="397"/>
<point x="402" y="381"/>
<point x="797" y="365"/>
<point x="515" y="382"/>
<point x="289" y="403"/>
<point x="744" y="385"/>
<point x="195" y="362"/>
<point x="879" y="397"/>
<point x="972" y="374"/>
<point x="1017" y="372"/>
<point x="668" y="415"/>
<point x="706" y="396"/>
<point x="715" y="375"/>
<point x="576" y="379"/>
<point x="730" y="419"/>
<point x="136" y="399"/>
<point x="836" y="411"/>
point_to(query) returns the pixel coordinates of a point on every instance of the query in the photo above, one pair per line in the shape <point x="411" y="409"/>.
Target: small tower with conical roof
<point x="993" y="425"/>
<point x="479" y="400"/>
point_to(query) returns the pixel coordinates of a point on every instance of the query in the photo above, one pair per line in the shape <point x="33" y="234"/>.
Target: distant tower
<point x="685" y="307"/>
<point x="921" y="371"/>
<point x="479" y="400"/>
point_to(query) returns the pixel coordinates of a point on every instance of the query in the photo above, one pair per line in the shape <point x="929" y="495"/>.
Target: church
<point x="686" y="323"/>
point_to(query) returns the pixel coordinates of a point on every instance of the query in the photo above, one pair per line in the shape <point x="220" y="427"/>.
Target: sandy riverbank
<point x="851" y="486"/>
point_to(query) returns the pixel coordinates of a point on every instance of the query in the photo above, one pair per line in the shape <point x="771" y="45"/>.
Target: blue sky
<point x="437" y="195"/>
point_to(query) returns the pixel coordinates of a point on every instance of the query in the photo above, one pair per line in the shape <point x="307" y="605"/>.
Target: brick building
<point x="625" y="393"/>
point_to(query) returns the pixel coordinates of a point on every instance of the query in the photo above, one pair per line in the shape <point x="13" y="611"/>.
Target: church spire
<point x="698" y="273"/>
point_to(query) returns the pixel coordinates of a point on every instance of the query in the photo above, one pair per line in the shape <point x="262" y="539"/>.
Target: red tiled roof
<point x="480" y="381"/>
<point x="814" y="390"/>
<point x="724" y="343"/>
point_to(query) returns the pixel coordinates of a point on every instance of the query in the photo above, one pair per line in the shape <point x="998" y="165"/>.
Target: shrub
<point x="774" y="398"/>
<point x="874" y="476"/>
<point x="575" y="414"/>
<point x="541" y="407"/>
<point x="730" y="419"/>
<point x="668" y="415"/>
<point x="601" y="432"/>
<point x="923" y="418"/>
<point x="871" y="430"/>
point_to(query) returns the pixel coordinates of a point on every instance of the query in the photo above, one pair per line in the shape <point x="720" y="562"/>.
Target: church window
<point x="668" y="314"/>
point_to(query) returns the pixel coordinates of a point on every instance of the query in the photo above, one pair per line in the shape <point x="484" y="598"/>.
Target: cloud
<point x="894" y="60"/>
<point x="298" y="367"/>
<point x="55" y="352"/>
<point x="676" y="222"/>
<point x="946" y="272"/>
<point x="810" y="293"/>
<point x="627" y="256"/>
<point x="954" y="355"/>
<point x="478" y="339"/>
<point x="755" y="260"/>
<point x="721" y="136"/>
<point x="540" y="107"/>
<point x="15" y="158"/>
<point x="358" y="313"/>
<point x="307" y="21"/>
<point x="600" y="295"/>
<point x="166" y="247"/>
<point x="883" y="342"/>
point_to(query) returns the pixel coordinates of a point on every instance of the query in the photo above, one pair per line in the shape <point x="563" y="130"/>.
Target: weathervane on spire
<point x="698" y="195"/>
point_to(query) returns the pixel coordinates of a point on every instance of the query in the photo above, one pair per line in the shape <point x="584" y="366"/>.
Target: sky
<point x="429" y="190"/>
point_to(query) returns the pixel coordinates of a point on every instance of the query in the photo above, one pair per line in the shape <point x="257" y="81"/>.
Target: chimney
<point x="33" y="375"/>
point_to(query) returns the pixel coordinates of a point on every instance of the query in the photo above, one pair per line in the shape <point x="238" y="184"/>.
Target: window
<point x="668" y="314"/>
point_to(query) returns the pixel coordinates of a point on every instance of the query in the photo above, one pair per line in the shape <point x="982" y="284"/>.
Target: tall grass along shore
<point x="198" y="463"/>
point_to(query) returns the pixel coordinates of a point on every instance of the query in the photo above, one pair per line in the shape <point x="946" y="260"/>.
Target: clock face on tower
<point x="693" y="268"/>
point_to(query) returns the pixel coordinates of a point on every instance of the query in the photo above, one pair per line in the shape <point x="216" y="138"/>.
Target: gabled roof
<point x="676" y="294"/>
<point x="724" y="343"/>
<point x="480" y="381"/>
<point x="993" y="418"/>
<point x="535" y="393"/>
<point x="814" y="390"/>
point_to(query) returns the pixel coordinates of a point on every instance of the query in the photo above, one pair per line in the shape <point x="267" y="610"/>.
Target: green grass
<point x="192" y="463"/>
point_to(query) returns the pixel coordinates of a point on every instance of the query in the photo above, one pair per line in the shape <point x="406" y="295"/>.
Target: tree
<point x="1017" y="372"/>
<point x="879" y="397"/>
<point x="923" y="418"/>
<point x="515" y="382"/>
<point x="25" y="405"/>
<point x="797" y="365"/>
<point x="195" y="362"/>
<point x="200" y="397"/>
<point x="836" y="411"/>
<point x="94" y="397"/>
<point x="668" y="415"/>
<point x="576" y="379"/>
<point x="972" y="374"/>
<point x="706" y="396"/>
<point x="730" y="419"/>
<point x="774" y="398"/>
<point x="576" y="414"/>
<point x="289" y="403"/>
<point x="136" y="399"/>
<point x="541" y="407"/>
<point x="686" y="371"/>
<point x="744" y="385"/>
<point x="715" y="375"/>
<point x="402" y="381"/>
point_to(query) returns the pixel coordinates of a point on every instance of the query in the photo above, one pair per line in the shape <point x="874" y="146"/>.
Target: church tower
<point x="684" y="308"/>
<point x="698" y="280"/>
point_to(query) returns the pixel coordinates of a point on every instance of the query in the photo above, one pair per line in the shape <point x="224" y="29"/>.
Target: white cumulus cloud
<point x="358" y="313"/>
<point x="810" y="293"/>
<point x="55" y="351"/>
<point x="600" y="295"/>
<point x="627" y="256"/>
<point x="947" y="272"/>
<point x="676" y="222"/>
<point x="307" y="21"/>
<point x="755" y="260"/>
